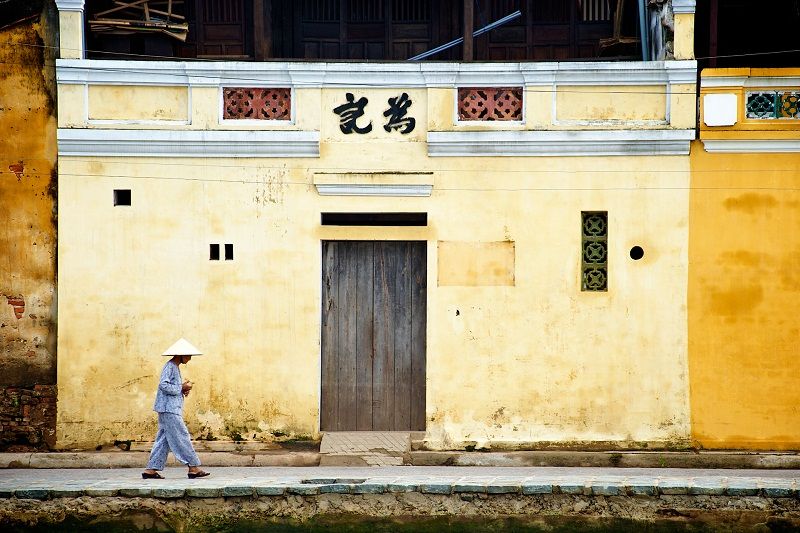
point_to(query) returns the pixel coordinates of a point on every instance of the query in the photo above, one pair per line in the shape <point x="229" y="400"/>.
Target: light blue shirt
<point x="169" y="398"/>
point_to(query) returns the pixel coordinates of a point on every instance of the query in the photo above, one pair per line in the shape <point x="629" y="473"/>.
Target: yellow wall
<point x="744" y="300"/>
<point x="27" y="208"/>
<point x="622" y="103"/>
<point x="533" y="361"/>
<point x="684" y="36"/>
<point x="475" y="264"/>
<point x="114" y="102"/>
<point x="743" y="281"/>
<point x="71" y="34"/>
<point x="566" y="107"/>
<point x="749" y="128"/>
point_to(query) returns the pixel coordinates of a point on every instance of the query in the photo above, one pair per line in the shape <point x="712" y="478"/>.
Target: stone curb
<point x="529" y="488"/>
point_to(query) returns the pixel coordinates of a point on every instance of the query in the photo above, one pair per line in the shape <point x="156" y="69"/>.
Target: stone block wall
<point x="27" y="417"/>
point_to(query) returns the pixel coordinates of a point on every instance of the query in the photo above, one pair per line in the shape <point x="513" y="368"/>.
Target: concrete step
<point x="365" y="448"/>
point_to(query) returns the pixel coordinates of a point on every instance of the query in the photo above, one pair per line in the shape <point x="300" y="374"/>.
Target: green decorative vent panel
<point x="594" y="255"/>
<point x="773" y="104"/>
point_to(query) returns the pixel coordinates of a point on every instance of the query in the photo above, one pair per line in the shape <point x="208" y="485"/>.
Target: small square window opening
<point x="122" y="197"/>
<point x="214" y="252"/>
<point x="228" y="252"/>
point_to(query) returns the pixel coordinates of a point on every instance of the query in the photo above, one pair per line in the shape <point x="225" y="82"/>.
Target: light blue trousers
<point x="172" y="435"/>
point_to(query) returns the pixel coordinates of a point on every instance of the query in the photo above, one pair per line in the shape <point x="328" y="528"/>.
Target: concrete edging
<point x="139" y="459"/>
<point x="757" y="460"/>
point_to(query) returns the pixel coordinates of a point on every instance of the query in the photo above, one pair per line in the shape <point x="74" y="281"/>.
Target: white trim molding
<point x="372" y="189"/>
<point x="70" y="5"/>
<point x="374" y="183"/>
<point x="751" y="146"/>
<point x="684" y="6"/>
<point x="187" y="143"/>
<point x="560" y="143"/>
<point x="771" y="82"/>
<point x="372" y="75"/>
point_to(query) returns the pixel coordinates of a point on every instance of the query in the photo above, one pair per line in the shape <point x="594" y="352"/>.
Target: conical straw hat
<point x="182" y="347"/>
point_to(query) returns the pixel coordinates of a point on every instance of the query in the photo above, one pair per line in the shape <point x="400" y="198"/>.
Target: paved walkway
<point x="309" y="481"/>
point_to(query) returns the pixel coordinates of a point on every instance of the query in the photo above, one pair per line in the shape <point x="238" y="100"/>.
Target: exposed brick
<point x="28" y="417"/>
<point x="18" y="304"/>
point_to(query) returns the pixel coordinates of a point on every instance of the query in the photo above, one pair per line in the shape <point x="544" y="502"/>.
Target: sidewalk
<point x="309" y="481"/>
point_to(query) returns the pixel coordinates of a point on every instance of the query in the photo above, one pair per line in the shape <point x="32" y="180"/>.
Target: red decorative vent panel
<point x="257" y="103"/>
<point x="490" y="103"/>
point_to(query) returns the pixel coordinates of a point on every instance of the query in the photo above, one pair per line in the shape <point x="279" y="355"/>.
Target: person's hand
<point x="186" y="387"/>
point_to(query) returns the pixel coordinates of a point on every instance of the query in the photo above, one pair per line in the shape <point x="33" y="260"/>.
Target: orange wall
<point x="27" y="205"/>
<point x="744" y="300"/>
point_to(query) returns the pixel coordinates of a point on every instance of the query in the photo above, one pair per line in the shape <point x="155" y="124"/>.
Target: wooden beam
<point x="262" y="32"/>
<point x="469" y="16"/>
<point x="713" y="33"/>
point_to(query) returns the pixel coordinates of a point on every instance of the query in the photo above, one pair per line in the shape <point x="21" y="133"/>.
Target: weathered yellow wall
<point x="114" y="102"/>
<point x="475" y="264"/>
<point x="27" y="206"/>
<point x="71" y="34"/>
<point x="683" y="106"/>
<point x="535" y="361"/>
<point x="749" y="128"/>
<point x="619" y="103"/>
<point x="620" y="107"/>
<point x="744" y="300"/>
<point x="684" y="36"/>
<point x="543" y="361"/>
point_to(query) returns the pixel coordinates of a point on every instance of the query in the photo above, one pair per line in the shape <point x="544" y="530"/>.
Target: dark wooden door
<point x="222" y="28"/>
<point x="373" y="335"/>
<point x="357" y="29"/>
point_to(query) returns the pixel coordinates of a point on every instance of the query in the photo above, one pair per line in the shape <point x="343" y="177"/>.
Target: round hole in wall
<point x="637" y="253"/>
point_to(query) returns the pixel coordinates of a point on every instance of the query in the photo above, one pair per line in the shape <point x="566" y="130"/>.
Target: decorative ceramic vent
<point x="773" y="104"/>
<point x="594" y="257"/>
<point x="257" y="103"/>
<point x="490" y="103"/>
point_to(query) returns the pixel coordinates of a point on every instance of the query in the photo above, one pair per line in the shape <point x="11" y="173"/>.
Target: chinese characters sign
<point x="353" y="110"/>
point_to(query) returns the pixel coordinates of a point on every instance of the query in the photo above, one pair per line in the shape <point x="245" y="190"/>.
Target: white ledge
<point x="771" y="82"/>
<point x="560" y="143"/>
<point x="355" y="75"/>
<point x="187" y="143"/>
<point x="684" y="6"/>
<point x="70" y="5"/>
<point x="354" y="189"/>
<point x="751" y="146"/>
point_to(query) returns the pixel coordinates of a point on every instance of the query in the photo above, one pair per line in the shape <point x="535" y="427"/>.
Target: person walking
<point x="172" y="433"/>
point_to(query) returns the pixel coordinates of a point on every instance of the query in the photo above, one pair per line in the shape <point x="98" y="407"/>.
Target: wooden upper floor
<point x="376" y="30"/>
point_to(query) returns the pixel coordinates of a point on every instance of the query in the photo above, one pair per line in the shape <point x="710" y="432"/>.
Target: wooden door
<point x="223" y="28"/>
<point x="358" y="29"/>
<point x="373" y="335"/>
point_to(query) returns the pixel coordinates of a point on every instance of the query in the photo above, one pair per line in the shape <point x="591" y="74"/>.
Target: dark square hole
<point x="122" y="197"/>
<point x="374" y="219"/>
<point x="229" y="252"/>
<point x="214" y="252"/>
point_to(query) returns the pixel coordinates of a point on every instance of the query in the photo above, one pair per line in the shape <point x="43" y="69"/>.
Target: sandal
<point x="199" y="473"/>
<point x="154" y="475"/>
